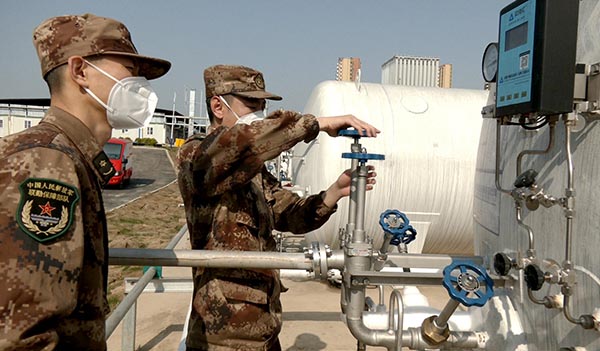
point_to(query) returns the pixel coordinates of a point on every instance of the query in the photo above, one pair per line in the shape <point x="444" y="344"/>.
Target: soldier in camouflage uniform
<point x="233" y="203"/>
<point x="53" y="237"/>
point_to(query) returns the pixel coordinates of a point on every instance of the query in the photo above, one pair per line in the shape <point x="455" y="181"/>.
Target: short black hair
<point x="53" y="79"/>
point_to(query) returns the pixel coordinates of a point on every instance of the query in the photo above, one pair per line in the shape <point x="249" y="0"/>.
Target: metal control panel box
<point x="536" y="57"/>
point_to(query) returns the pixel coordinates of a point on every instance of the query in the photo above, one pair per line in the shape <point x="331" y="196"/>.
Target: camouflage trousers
<point x="233" y="314"/>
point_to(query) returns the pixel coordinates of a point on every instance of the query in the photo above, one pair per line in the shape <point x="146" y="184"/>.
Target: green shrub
<point x="146" y="141"/>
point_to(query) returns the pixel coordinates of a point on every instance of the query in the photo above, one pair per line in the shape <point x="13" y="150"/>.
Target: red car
<point x="119" y="152"/>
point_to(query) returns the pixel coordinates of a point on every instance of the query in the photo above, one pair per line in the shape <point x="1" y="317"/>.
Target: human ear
<point x="76" y="71"/>
<point x="217" y="107"/>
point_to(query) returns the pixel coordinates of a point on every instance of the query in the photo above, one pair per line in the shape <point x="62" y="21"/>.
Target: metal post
<point x="128" y="333"/>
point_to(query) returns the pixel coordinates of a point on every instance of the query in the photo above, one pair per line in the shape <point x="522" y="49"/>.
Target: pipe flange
<point x="316" y="259"/>
<point x="323" y="261"/>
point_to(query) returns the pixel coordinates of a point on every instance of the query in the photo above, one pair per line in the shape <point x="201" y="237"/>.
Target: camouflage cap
<point x="236" y="80"/>
<point x="58" y="38"/>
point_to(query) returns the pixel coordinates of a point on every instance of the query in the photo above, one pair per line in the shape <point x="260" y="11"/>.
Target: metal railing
<point x="126" y="310"/>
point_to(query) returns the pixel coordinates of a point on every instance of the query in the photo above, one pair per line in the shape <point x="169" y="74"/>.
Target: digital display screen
<point x="516" y="36"/>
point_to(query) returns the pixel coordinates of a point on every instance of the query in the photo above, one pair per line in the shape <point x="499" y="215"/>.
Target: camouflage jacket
<point x="53" y="237"/>
<point x="233" y="203"/>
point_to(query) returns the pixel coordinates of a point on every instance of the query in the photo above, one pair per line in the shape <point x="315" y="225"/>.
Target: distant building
<point x="445" y="77"/>
<point x="347" y="68"/>
<point x="19" y="114"/>
<point x="416" y="72"/>
<point x="411" y="71"/>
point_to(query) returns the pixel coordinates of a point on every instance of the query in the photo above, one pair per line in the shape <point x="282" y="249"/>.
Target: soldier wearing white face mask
<point x="54" y="244"/>
<point x="233" y="203"/>
<point x="131" y="101"/>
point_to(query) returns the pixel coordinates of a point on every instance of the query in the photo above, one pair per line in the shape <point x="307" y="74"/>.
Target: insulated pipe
<point x="209" y="258"/>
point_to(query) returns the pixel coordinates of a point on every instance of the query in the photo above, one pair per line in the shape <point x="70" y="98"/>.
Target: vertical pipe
<point x="522" y="224"/>
<point x="569" y="192"/>
<point x="355" y="148"/>
<point x="537" y="152"/>
<point x="361" y="187"/>
<point x="497" y="173"/>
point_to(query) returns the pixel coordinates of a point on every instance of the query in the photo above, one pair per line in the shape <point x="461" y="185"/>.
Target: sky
<point x="296" y="44"/>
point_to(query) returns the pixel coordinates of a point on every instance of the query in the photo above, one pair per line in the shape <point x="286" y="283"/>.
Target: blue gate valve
<point x="362" y="157"/>
<point x="397" y="224"/>
<point x="471" y="279"/>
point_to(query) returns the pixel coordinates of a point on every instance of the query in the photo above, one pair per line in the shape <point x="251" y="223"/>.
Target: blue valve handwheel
<point x="402" y="232"/>
<point x="404" y="238"/>
<point x="363" y="156"/>
<point x="410" y="234"/>
<point x="462" y="278"/>
<point x="353" y="133"/>
<point x="393" y="215"/>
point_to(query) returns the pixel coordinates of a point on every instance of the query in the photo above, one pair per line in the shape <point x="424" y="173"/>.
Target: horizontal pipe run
<point x="208" y="258"/>
<point x="438" y="261"/>
<point x="364" y="278"/>
<point x="427" y="260"/>
<point x="265" y="260"/>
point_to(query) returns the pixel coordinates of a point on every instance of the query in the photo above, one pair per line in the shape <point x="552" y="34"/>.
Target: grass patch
<point x="149" y="222"/>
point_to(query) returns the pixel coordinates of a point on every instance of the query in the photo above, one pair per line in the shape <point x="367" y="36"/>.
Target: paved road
<point x="152" y="169"/>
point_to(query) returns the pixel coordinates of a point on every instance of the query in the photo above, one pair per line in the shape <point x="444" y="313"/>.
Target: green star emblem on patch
<point x="46" y="208"/>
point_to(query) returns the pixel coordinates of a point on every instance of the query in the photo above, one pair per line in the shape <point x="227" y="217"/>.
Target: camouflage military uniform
<point x="53" y="238"/>
<point x="233" y="203"/>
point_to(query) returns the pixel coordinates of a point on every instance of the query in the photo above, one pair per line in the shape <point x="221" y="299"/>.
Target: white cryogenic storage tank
<point x="429" y="138"/>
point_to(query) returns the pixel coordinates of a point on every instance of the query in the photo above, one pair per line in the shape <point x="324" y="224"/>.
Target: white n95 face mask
<point x="131" y="101"/>
<point x="247" y="118"/>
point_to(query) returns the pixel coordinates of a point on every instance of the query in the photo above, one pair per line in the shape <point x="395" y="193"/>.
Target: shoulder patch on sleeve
<point x="45" y="210"/>
<point x="104" y="167"/>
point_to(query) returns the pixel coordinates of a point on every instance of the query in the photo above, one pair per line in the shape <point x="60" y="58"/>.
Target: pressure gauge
<point x="489" y="64"/>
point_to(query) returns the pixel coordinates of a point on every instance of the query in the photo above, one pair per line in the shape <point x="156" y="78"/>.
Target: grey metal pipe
<point x="566" y="310"/>
<point x="439" y="261"/>
<point x="413" y="339"/>
<point x="534" y="299"/>
<point x="497" y="173"/>
<point x="522" y="224"/>
<point x="354" y="148"/>
<point x="208" y="258"/>
<point x="358" y="328"/>
<point x="444" y="316"/>
<point x="537" y="152"/>
<point x="361" y="189"/>
<point x="570" y="191"/>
